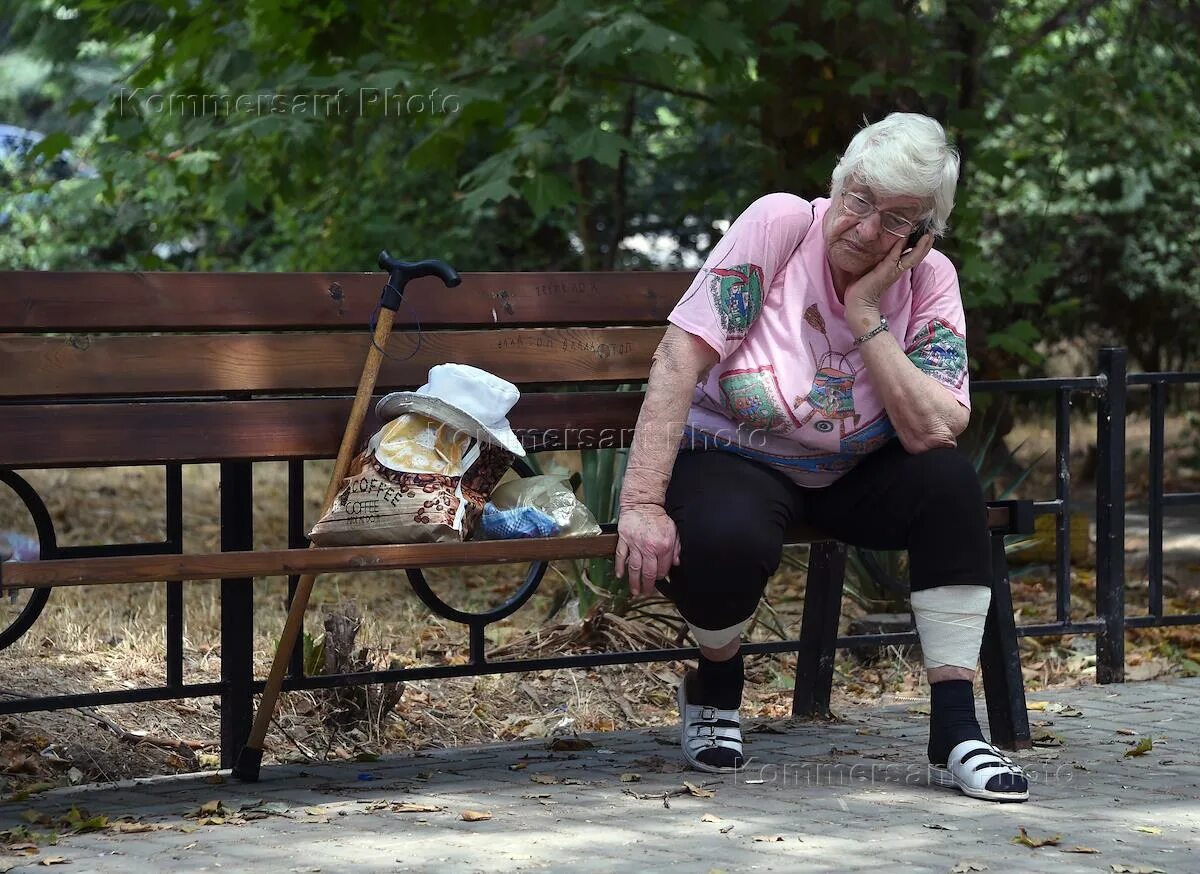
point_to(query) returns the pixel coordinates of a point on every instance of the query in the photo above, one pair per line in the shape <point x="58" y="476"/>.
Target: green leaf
<point x="1144" y="745"/>
<point x="50" y="147"/>
<point x="603" y="146"/>
<point x="496" y="191"/>
<point x="546" y="192"/>
<point x="816" y="51"/>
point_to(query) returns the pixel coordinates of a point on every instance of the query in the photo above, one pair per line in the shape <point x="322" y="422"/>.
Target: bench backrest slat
<point x="66" y="435"/>
<point x="187" y="364"/>
<point x="72" y="302"/>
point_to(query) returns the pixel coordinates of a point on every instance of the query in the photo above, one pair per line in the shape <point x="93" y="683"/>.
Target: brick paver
<point x="847" y="796"/>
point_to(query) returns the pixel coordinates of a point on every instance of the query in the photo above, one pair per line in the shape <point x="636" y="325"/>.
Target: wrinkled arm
<point x="924" y="413"/>
<point x="681" y="361"/>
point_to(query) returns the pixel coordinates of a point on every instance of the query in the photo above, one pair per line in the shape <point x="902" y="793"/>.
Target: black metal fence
<point x="1107" y="389"/>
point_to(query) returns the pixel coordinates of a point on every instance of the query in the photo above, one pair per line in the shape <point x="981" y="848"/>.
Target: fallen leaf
<point x="1126" y="731"/>
<point x="964" y="867"/>
<point x="697" y="791"/>
<point x="1142" y="747"/>
<point x="1033" y="843"/>
<point x="1149" y="829"/>
<point x="922" y="709"/>
<point x="475" y="815"/>
<point x="538" y="797"/>
<point x="518" y="766"/>
<point x="708" y="817"/>
<point x="726" y="829"/>
<point x="133" y="828"/>
<point x="1044" y="737"/>
<point x="938" y="825"/>
<point x="315" y="811"/>
<point x="544" y="779"/>
<point x="1064" y="710"/>
<point x="413" y="807"/>
<point x="1090" y="850"/>
<point x="1036" y="705"/>
<point x="367" y="757"/>
<point x="188" y="828"/>
<point x="631" y="778"/>
<point x="569" y="744"/>
<point x="768" y="839"/>
<point x="209" y="807"/>
<point x="53" y="860"/>
<point x="1136" y="869"/>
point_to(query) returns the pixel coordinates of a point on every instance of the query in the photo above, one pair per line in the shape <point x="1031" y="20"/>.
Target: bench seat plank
<point x="280" y="562"/>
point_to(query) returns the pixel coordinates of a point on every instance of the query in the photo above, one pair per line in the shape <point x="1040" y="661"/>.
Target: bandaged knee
<point x="710" y="639"/>
<point x="950" y="624"/>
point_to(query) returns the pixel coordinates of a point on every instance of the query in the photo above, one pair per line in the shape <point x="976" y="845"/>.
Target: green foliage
<point x="273" y="135"/>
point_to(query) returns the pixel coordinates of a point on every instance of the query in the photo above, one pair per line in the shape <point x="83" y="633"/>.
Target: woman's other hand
<point x="647" y="546"/>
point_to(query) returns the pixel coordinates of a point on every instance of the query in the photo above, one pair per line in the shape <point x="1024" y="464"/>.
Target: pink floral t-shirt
<point x="790" y="389"/>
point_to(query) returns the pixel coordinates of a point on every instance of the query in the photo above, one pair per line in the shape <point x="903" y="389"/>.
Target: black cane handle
<point x="400" y="272"/>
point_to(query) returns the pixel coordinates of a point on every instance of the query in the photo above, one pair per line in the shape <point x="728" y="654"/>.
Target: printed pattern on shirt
<point x="754" y="397"/>
<point x="737" y="297"/>
<point x="830" y="398"/>
<point x="941" y="352"/>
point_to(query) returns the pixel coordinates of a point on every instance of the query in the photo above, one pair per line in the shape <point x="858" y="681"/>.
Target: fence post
<point x="237" y="612"/>
<point x="1110" y="518"/>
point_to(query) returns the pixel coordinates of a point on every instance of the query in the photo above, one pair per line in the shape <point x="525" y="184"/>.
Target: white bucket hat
<point x="464" y="397"/>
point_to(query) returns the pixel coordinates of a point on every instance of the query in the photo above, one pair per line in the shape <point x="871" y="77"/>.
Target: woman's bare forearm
<point x="681" y="361"/>
<point x="925" y="415"/>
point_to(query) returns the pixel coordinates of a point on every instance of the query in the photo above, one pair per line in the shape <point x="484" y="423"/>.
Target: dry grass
<point x="92" y="638"/>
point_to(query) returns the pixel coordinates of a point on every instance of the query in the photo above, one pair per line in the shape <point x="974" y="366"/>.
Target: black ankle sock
<point x="951" y="718"/>
<point x="721" y="682"/>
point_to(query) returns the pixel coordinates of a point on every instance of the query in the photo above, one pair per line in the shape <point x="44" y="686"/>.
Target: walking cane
<point x="249" y="760"/>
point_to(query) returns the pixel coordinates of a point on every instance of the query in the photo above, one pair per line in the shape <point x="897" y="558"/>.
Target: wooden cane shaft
<point x="295" y="617"/>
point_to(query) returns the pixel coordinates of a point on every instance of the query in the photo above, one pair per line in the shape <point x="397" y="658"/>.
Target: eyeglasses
<point x="892" y="223"/>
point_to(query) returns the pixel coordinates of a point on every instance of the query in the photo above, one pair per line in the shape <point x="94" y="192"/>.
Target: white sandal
<point x="705" y="728"/>
<point x="972" y="764"/>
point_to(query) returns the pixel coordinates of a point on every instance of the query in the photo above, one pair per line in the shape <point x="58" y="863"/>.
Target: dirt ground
<point x="92" y="638"/>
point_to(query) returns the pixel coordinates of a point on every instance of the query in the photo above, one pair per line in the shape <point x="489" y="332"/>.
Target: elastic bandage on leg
<point x="950" y="624"/>
<point x="716" y="639"/>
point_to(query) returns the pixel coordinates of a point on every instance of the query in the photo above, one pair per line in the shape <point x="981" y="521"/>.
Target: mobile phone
<point x="915" y="237"/>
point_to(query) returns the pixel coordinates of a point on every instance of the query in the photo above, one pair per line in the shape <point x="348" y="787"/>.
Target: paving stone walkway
<point x="844" y="796"/>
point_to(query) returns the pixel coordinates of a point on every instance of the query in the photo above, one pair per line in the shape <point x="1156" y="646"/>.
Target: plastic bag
<point x="528" y="506"/>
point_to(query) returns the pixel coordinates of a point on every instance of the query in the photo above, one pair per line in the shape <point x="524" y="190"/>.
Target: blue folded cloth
<point x="500" y="524"/>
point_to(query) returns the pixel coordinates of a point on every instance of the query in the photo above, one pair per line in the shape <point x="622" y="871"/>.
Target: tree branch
<point x="1071" y="12"/>
<point x="657" y="86"/>
<point x="619" y="187"/>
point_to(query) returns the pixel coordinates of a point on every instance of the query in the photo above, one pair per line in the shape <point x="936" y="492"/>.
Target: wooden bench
<point x="110" y="369"/>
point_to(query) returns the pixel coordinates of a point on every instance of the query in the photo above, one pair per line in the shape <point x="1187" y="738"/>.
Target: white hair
<point x="905" y="155"/>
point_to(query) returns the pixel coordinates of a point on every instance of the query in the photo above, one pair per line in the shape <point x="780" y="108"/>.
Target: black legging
<point x="732" y="514"/>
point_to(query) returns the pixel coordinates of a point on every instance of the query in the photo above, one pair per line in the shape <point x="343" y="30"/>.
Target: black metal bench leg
<point x="819" y="629"/>
<point x="1000" y="660"/>
<point x="237" y="612"/>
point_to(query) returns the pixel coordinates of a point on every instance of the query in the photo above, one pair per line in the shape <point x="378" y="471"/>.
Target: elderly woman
<point x="817" y="371"/>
